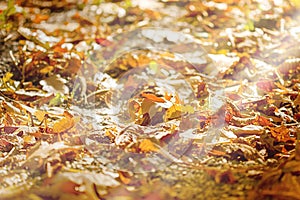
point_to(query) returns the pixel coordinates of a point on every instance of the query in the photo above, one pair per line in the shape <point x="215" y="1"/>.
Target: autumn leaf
<point x="173" y="112"/>
<point x="39" y="18"/>
<point x="147" y="145"/>
<point x="5" y="145"/>
<point x="247" y="130"/>
<point x="29" y="140"/>
<point x="47" y="46"/>
<point x="78" y="183"/>
<point x="40" y="114"/>
<point x="125" y="177"/>
<point x="103" y="42"/>
<point x="263" y="121"/>
<point x="153" y="97"/>
<point x="281" y="133"/>
<point x="64" y="124"/>
<point x="73" y="66"/>
<point x="55" y="84"/>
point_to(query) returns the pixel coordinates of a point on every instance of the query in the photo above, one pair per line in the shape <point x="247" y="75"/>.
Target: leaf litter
<point x="195" y="125"/>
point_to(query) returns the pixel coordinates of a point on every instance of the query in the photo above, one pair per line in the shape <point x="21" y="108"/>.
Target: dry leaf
<point x="55" y="84"/>
<point x="153" y="97"/>
<point x="175" y="111"/>
<point x="125" y="177"/>
<point x="40" y="114"/>
<point x="247" y="130"/>
<point x="281" y="133"/>
<point x="147" y="145"/>
<point x="63" y="124"/>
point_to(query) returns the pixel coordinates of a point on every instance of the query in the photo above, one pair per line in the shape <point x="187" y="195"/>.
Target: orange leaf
<point x="177" y="99"/>
<point x="39" y="18"/>
<point x="168" y="97"/>
<point x="67" y="114"/>
<point x="147" y="145"/>
<point x="8" y="120"/>
<point x="29" y="140"/>
<point x="125" y="177"/>
<point x="153" y="97"/>
<point x="263" y="121"/>
<point x="281" y="133"/>
<point x="175" y="111"/>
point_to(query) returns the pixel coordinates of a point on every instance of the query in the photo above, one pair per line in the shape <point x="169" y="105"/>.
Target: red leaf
<point x="103" y="42"/>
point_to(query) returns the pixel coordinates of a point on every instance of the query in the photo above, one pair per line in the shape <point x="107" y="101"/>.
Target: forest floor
<point x="156" y="99"/>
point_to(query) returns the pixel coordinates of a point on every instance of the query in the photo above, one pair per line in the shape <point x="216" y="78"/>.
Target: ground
<point x="157" y="99"/>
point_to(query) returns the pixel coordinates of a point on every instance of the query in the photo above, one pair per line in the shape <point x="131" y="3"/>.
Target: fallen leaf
<point x="39" y="18"/>
<point x="55" y="84"/>
<point x="125" y="177"/>
<point x="64" y="123"/>
<point x="40" y="114"/>
<point x="281" y="133"/>
<point x="153" y="97"/>
<point x="147" y="145"/>
<point x="247" y="130"/>
<point x="103" y="42"/>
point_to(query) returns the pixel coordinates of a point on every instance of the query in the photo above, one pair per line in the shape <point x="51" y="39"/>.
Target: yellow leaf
<point x="63" y="124"/>
<point x="29" y="140"/>
<point x="125" y="177"/>
<point x="7" y="77"/>
<point x="173" y="112"/>
<point x="40" y="114"/>
<point x="47" y="69"/>
<point x="222" y="51"/>
<point x="188" y="109"/>
<point x="147" y="145"/>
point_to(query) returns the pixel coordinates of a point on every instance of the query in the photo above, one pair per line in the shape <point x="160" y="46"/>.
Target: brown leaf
<point x="222" y="176"/>
<point x="72" y="66"/>
<point x="55" y="84"/>
<point x="247" y="130"/>
<point x="5" y="145"/>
